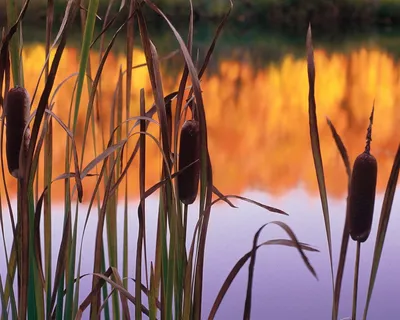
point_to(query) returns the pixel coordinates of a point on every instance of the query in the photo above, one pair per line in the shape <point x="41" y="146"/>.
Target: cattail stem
<point x="185" y="217"/>
<point x="355" y="290"/>
<point x="18" y="241"/>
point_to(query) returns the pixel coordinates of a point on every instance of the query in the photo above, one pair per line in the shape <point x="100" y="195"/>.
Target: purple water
<point x="283" y="287"/>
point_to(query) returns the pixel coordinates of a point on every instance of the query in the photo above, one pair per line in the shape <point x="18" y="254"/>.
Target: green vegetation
<point x="170" y="286"/>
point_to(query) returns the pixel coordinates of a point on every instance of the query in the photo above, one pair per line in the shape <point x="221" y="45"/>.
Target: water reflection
<point x="257" y="117"/>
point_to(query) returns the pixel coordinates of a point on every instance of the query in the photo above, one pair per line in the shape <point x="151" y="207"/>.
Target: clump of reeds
<point x="189" y="155"/>
<point x="17" y="117"/>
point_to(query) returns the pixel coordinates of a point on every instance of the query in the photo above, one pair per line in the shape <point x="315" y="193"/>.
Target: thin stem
<point x="185" y="216"/>
<point x="356" y="268"/>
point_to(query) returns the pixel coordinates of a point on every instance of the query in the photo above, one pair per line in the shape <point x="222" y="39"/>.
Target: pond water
<point x="256" y="103"/>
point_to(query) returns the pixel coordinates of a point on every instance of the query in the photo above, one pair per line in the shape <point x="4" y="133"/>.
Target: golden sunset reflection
<point x="257" y="118"/>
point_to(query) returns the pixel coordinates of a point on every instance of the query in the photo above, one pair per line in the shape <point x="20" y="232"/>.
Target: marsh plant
<point x="168" y="283"/>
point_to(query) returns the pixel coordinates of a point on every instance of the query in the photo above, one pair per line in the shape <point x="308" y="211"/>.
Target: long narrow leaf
<point x="383" y="225"/>
<point x="316" y="150"/>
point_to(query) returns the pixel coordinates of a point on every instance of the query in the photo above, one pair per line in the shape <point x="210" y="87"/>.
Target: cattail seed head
<point x="189" y="151"/>
<point x="362" y="196"/>
<point x="362" y="190"/>
<point x="17" y="116"/>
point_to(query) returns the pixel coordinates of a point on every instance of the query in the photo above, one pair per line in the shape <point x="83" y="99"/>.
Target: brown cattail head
<point x="189" y="151"/>
<point x="17" y="116"/>
<point x="362" y="196"/>
<point x="362" y="191"/>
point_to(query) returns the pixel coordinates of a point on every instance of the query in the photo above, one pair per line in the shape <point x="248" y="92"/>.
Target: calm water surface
<point x="259" y="142"/>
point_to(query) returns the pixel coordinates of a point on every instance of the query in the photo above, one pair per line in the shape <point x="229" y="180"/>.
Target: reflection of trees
<point x="257" y="117"/>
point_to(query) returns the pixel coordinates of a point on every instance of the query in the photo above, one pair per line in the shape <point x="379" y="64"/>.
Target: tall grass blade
<point x="84" y="57"/>
<point x="124" y="302"/>
<point x="104" y="278"/>
<point x="247" y="307"/>
<point x="259" y="204"/>
<point x="316" y="150"/>
<point x="48" y="168"/>
<point x="182" y="86"/>
<point x="95" y="302"/>
<point x="16" y="65"/>
<point x="141" y="211"/>
<point x="382" y="227"/>
<point x="220" y="195"/>
<point x="129" y="63"/>
<point x="5" y="74"/>
<point x="345" y="235"/>
<point x="242" y="261"/>
<point x="61" y="264"/>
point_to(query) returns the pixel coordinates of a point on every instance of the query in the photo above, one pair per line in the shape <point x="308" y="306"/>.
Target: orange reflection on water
<point x="257" y="118"/>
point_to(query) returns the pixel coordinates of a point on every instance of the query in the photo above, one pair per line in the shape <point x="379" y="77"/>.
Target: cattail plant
<point x="189" y="153"/>
<point x="17" y="116"/>
<point x="361" y="201"/>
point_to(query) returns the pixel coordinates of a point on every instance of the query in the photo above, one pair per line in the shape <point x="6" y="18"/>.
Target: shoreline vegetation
<point x="287" y="14"/>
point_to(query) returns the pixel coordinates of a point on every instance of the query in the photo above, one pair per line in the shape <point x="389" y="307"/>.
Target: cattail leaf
<point x="103" y="279"/>
<point x="95" y="302"/>
<point x="94" y="292"/>
<point x="129" y="63"/>
<point x="242" y="261"/>
<point x="124" y="301"/>
<point x="6" y="193"/>
<point x="383" y="225"/>
<point x="284" y="226"/>
<point x="345" y="235"/>
<point x="78" y="179"/>
<point x="48" y="171"/>
<point x="150" y="113"/>
<point x="214" y="41"/>
<point x="69" y="15"/>
<point x="222" y="197"/>
<point x="12" y="261"/>
<point x="341" y="147"/>
<point x="16" y="44"/>
<point x="84" y="56"/>
<point x="142" y="208"/>
<point x="146" y="290"/>
<point x="96" y="82"/>
<point x="37" y="242"/>
<point x="61" y="260"/>
<point x="269" y="208"/>
<point x="182" y="83"/>
<point x="156" y="83"/>
<point x="247" y="303"/>
<point x="315" y="145"/>
<point x="100" y="224"/>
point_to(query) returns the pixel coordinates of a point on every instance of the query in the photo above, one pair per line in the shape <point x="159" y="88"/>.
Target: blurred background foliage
<point x="283" y="13"/>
